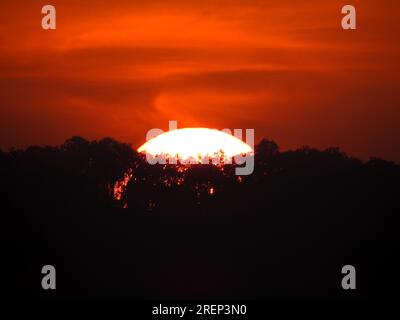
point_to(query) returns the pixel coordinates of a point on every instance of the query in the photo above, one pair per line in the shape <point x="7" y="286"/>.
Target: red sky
<point x="285" y="68"/>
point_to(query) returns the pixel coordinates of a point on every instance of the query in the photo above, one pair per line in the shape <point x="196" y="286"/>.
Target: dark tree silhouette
<point x="115" y="226"/>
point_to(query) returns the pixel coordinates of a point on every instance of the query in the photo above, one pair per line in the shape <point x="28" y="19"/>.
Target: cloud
<point x="284" y="68"/>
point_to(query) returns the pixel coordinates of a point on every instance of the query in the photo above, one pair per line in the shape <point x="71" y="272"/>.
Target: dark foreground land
<point x="285" y="231"/>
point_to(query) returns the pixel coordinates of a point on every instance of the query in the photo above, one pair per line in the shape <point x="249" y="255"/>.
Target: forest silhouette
<point x="116" y="227"/>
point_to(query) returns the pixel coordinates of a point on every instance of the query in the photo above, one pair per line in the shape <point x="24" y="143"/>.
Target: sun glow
<point x="196" y="143"/>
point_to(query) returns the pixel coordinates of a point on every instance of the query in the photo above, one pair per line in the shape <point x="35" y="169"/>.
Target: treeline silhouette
<point x="116" y="227"/>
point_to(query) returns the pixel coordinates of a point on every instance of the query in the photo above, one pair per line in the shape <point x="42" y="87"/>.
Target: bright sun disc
<point x="195" y="143"/>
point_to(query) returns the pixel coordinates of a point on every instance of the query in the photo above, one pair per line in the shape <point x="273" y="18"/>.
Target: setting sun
<point x="195" y="143"/>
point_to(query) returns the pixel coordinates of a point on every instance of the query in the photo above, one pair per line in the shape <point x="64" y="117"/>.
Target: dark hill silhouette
<point x="199" y="232"/>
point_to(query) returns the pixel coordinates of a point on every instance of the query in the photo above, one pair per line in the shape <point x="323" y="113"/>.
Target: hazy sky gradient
<point x="286" y="68"/>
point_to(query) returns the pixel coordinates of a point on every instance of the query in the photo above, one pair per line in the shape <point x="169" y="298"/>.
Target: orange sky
<point x="286" y="68"/>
